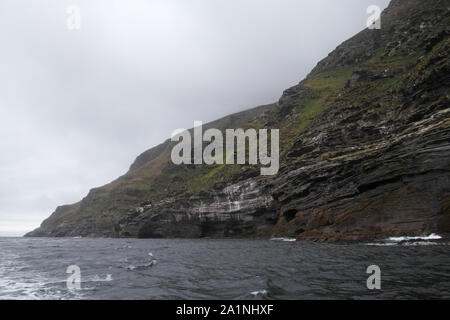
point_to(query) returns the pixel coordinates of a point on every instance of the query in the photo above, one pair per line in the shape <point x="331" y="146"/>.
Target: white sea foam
<point x="36" y="289"/>
<point x="408" y="241"/>
<point x="284" y="239"/>
<point x="259" y="293"/>
<point x="97" y="278"/>
<point x="142" y="266"/>
<point x="432" y="236"/>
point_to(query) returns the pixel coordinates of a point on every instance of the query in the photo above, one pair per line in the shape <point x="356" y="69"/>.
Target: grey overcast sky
<point x="77" y="106"/>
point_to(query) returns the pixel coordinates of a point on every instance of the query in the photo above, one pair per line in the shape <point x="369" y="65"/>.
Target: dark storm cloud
<point x="76" y="107"/>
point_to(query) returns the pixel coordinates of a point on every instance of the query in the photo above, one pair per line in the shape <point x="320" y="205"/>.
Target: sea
<point x="87" y="268"/>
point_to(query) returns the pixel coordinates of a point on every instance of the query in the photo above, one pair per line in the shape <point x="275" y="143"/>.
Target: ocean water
<point x="35" y="268"/>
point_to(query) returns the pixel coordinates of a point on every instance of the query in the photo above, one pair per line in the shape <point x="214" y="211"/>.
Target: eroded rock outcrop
<point x="238" y="210"/>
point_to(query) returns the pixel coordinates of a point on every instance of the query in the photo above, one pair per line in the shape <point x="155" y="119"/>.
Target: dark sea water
<point x="35" y="268"/>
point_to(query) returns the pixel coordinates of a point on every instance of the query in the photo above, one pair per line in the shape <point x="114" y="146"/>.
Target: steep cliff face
<point x="365" y="153"/>
<point x="376" y="162"/>
<point x="239" y="210"/>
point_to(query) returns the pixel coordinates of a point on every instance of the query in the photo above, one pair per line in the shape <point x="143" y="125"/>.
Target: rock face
<point x="365" y="153"/>
<point x="239" y="210"/>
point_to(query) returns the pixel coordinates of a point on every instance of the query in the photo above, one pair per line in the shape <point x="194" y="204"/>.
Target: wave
<point x="418" y="243"/>
<point x="432" y="236"/>
<point x="259" y="293"/>
<point x="284" y="239"/>
<point x="36" y="289"/>
<point x="142" y="266"/>
<point x="408" y="241"/>
<point x="97" y="278"/>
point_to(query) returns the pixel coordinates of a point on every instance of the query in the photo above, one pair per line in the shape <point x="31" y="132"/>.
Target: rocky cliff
<point x="364" y="144"/>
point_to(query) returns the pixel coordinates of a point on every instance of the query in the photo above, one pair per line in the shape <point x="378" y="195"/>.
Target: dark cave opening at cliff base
<point x="290" y="214"/>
